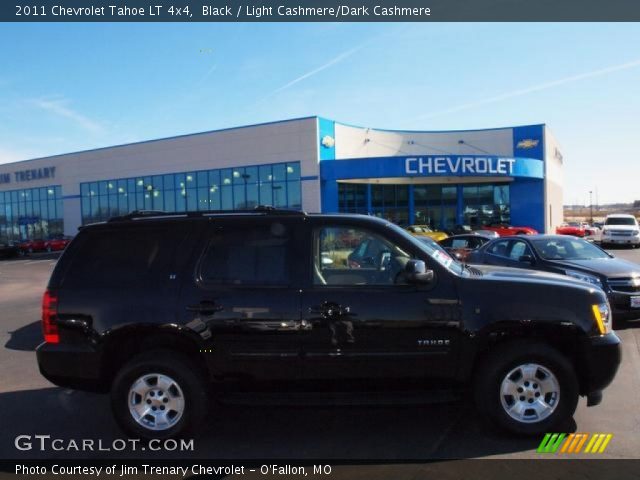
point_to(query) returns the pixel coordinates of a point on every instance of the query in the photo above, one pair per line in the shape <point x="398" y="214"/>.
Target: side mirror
<point x="527" y="259"/>
<point x="417" y="272"/>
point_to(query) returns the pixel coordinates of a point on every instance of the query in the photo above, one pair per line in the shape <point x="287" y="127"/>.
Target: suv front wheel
<point x="159" y="394"/>
<point x="527" y="389"/>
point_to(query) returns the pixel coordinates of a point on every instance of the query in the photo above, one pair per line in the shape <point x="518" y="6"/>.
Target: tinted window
<point x="567" y="249"/>
<point x="518" y="249"/>
<point x="447" y="242"/>
<point x="123" y="257"/>
<point x="460" y="243"/>
<point x="499" y="248"/>
<point x="620" y="221"/>
<point x="248" y="256"/>
<point x="352" y="256"/>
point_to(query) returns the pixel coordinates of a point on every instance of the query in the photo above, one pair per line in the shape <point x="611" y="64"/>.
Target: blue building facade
<point x="440" y="179"/>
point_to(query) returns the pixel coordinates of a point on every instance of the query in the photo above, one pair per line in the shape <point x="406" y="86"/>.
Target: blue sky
<point x="69" y="87"/>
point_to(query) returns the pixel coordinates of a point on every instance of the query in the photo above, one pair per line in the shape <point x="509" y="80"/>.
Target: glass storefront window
<point x="434" y="205"/>
<point x="485" y="204"/>
<point x="219" y="189"/>
<point x="32" y="213"/>
<point x="352" y="198"/>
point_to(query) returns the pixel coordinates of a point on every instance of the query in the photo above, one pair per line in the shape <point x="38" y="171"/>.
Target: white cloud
<point x="60" y="107"/>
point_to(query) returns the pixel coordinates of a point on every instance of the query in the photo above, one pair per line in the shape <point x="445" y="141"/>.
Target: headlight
<point x="635" y="233"/>
<point x="585" y="277"/>
<point x="602" y="316"/>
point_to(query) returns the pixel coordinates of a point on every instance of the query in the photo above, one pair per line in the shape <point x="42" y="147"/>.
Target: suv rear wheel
<point x="526" y="388"/>
<point x="159" y="394"/>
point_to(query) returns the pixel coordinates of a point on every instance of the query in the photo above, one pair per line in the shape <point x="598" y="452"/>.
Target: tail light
<point x="49" y="313"/>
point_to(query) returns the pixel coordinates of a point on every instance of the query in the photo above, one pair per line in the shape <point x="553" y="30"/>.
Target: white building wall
<point x="356" y="142"/>
<point x="554" y="180"/>
<point x="288" y="141"/>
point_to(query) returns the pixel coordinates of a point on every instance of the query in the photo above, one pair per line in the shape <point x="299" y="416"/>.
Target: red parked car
<point x="30" y="246"/>
<point x="56" y="244"/>
<point x="571" y="228"/>
<point x="504" y="229"/>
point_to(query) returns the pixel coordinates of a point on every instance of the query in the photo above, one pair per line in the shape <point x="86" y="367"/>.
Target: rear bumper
<point x="71" y="366"/>
<point x="601" y="356"/>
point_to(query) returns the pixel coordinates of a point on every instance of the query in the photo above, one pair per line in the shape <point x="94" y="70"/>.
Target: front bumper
<point x="601" y="358"/>
<point x="71" y="366"/>
<point x="621" y="303"/>
<point x="620" y="240"/>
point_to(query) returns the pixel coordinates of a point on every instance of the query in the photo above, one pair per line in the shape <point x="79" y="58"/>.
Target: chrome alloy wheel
<point x="530" y="393"/>
<point x="156" y="401"/>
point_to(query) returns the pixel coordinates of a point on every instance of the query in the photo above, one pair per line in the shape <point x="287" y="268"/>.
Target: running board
<point x="337" y="398"/>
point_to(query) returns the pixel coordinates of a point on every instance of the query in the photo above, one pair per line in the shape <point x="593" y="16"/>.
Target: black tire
<point x="502" y="361"/>
<point x="179" y="368"/>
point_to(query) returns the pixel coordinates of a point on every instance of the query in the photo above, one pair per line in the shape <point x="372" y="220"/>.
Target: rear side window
<point x="499" y="248"/>
<point x="248" y="256"/>
<point x="460" y="243"/>
<point x="123" y="257"/>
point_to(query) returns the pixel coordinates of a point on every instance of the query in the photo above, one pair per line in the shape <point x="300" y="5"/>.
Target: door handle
<point x="205" y="308"/>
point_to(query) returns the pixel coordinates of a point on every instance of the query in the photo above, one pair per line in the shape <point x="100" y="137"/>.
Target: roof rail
<point x="260" y="209"/>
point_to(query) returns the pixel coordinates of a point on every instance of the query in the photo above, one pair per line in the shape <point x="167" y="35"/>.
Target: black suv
<point x="168" y="311"/>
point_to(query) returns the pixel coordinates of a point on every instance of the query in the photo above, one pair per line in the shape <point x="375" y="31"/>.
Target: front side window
<point x="353" y="256"/>
<point x="248" y="256"/>
<point x="518" y="249"/>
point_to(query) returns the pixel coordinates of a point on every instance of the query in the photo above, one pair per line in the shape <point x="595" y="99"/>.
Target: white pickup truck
<point x="620" y="229"/>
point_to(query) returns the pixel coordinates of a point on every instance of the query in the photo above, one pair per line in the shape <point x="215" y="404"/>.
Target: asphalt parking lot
<point x="31" y="405"/>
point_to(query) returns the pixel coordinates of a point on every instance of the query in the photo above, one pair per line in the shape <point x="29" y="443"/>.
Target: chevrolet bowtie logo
<point x="574" y="443"/>
<point x="528" y="143"/>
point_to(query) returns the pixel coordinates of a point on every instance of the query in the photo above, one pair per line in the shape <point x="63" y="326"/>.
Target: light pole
<point x="591" y="206"/>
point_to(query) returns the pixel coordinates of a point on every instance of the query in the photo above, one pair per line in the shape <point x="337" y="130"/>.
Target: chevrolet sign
<point x="528" y="143"/>
<point x="458" y="165"/>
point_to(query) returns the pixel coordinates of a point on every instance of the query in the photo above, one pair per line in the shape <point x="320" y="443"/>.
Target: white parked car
<point x="621" y="229"/>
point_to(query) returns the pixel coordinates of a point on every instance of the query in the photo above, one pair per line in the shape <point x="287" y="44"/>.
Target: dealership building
<point x="442" y="179"/>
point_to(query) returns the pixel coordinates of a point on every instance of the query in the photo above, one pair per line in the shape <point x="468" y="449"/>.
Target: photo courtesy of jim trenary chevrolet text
<point x="382" y="239"/>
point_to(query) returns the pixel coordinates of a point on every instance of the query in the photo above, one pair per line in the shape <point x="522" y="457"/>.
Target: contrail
<point x="315" y="71"/>
<point x="311" y="73"/>
<point x="535" y="88"/>
<point x="58" y="107"/>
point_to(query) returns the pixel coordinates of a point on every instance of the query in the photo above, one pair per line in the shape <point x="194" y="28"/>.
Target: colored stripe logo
<point x="574" y="443"/>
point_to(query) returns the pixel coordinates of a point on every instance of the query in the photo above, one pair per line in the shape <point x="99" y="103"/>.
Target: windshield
<point x="432" y="248"/>
<point x="567" y="249"/>
<point x="621" y="221"/>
